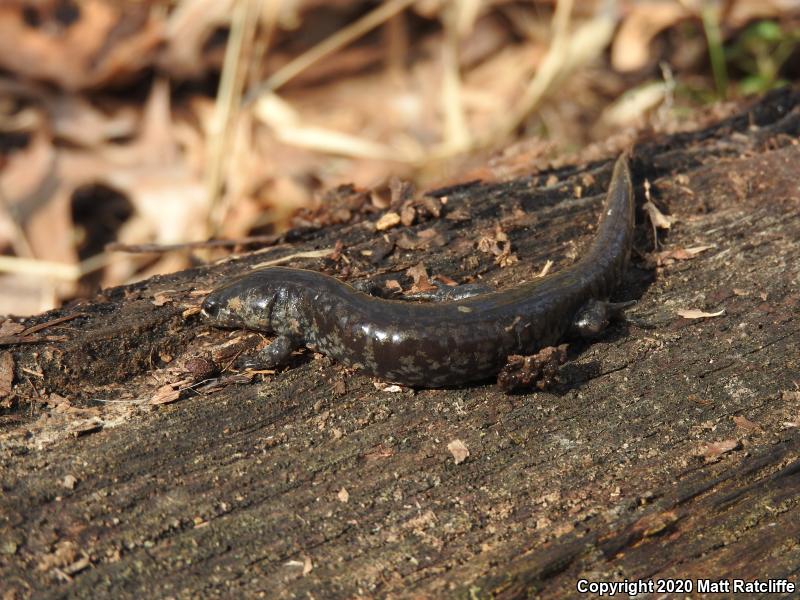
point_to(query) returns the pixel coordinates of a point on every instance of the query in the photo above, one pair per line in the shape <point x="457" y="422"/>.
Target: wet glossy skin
<point x="433" y="344"/>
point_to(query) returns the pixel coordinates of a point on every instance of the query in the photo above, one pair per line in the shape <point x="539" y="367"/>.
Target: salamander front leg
<point x="275" y="354"/>
<point x="594" y="316"/>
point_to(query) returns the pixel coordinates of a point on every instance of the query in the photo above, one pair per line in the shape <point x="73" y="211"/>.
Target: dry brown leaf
<point x="165" y="297"/>
<point x="57" y="401"/>
<point x="746" y="424"/>
<point x="668" y="256"/>
<point x="630" y="50"/>
<point x="104" y="43"/>
<point x="387" y="221"/>
<point x="683" y="253"/>
<point x="391" y="388"/>
<point x="166" y="394"/>
<point x="187" y="31"/>
<point x="419" y="274"/>
<point x="85" y="427"/>
<point x="64" y="553"/>
<point x="634" y="105"/>
<point x="9" y="328"/>
<point x="459" y="451"/>
<point x="790" y="396"/>
<point x="743" y="12"/>
<point x="77" y="121"/>
<point x="713" y="451"/>
<point x="654" y="524"/>
<point x="692" y="313"/>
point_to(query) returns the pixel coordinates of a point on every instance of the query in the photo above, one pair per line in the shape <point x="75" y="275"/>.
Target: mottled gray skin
<point x="441" y="343"/>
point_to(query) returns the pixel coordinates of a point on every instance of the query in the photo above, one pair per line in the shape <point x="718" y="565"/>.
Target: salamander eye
<point x="210" y="307"/>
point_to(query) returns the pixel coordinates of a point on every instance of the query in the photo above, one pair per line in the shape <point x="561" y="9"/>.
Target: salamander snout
<point x="221" y="310"/>
<point x="237" y="305"/>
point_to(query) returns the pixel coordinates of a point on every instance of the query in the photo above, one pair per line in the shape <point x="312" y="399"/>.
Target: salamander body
<point x="433" y="344"/>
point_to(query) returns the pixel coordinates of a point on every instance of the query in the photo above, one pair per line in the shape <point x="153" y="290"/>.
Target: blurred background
<point x="133" y="130"/>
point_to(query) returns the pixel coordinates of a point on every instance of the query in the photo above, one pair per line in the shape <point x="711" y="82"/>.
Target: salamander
<point x="434" y="344"/>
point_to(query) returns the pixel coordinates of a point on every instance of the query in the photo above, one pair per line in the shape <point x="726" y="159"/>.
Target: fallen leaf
<point x="391" y="388"/>
<point x="681" y="253"/>
<point x="105" y="42"/>
<point x="654" y="524"/>
<point x="422" y="282"/>
<point x="64" y="553"/>
<point x="393" y="285"/>
<point x="790" y="396"/>
<point x="692" y="313"/>
<point x="162" y="298"/>
<point x="631" y="49"/>
<point x="9" y="328"/>
<point x="459" y="451"/>
<point x="746" y="424"/>
<point x="85" y="427"/>
<point x="192" y="310"/>
<point x="187" y="31"/>
<point x="56" y="400"/>
<point x="713" y="451"/>
<point x="166" y="393"/>
<point x="635" y="104"/>
<point x="387" y="221"/>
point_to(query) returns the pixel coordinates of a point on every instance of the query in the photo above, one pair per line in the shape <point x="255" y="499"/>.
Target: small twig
<point x="331" y="44"/>
<point x="41" y="326"/>
<point x="308" y="254"/>
<point x="11" y="340"/>
<point x="226" y="109"/>
<point x="551" y="67"/>
<point x="267" y="240"/>
<point x="50" y="268"/>
<point x="455" y="123"/>
<point x="35" y="391"/>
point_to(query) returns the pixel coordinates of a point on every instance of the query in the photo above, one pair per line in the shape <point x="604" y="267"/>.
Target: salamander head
<point x="237" y="305"/>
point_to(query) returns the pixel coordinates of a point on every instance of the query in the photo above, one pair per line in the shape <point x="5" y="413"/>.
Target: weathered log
<point x="669" y="449"/>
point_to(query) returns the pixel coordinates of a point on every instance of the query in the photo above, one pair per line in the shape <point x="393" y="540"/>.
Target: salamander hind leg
<point x="593" y="317"/>
<point x="275" y="354"/>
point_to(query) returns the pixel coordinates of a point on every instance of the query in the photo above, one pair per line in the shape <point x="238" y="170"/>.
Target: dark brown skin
<point x="434" y="344"/>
